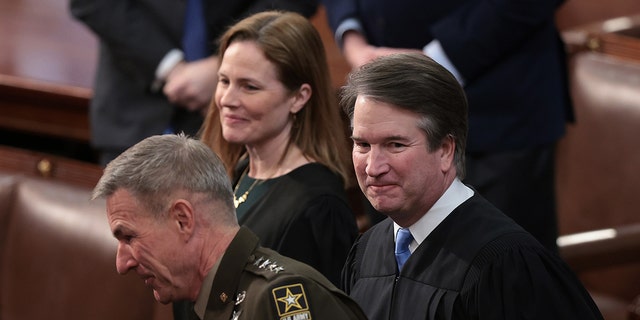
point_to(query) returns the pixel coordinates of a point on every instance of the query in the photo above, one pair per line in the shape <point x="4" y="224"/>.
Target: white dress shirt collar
<point x="456" y="194"/>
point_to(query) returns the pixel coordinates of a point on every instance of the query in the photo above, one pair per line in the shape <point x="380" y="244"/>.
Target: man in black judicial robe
<point x="467" y="259"/>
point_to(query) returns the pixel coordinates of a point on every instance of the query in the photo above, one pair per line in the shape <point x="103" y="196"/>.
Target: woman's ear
<point x="300" y="98"/>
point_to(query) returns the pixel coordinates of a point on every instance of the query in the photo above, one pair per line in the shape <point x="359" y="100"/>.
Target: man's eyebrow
<point x="385" y="139"/>
<point x="397" y="138"/>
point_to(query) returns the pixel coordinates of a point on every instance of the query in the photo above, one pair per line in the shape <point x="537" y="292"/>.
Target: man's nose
<point x="377" y="163"/>
<point x="124" y="259"/>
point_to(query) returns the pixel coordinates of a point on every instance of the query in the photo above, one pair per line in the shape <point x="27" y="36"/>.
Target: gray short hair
<point x="415" y="82"/>
<point x="158" y="166"/>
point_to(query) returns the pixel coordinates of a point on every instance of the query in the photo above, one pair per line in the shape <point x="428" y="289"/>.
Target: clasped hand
<point x="191" y="84"/>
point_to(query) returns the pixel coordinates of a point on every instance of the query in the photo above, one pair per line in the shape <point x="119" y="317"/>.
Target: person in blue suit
<point x="510" y="60"/>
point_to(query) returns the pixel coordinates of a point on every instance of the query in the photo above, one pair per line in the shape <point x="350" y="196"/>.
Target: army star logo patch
<point x="291" y="302"/>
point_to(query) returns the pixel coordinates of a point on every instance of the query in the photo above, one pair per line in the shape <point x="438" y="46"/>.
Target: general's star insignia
<point x="290" y="299"/>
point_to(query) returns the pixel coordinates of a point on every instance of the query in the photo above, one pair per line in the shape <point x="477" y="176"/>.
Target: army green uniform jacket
<point x="253" y="282"/>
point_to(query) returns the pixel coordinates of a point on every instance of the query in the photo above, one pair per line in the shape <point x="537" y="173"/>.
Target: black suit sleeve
<point x="137" y="36"/>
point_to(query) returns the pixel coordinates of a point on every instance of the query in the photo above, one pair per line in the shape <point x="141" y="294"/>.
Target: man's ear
<point x="447" y="153"/>
<point x="183" y="214"/>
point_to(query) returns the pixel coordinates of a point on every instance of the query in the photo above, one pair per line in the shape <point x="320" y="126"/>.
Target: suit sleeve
<point x="477" y="34"/>
<point x="482" y="33"/>
<point x="339" y="11"/>
<point x="135" y="35"/>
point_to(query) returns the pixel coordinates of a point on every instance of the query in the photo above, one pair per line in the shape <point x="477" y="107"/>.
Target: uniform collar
<point x="205" y="291"/>
<point x="225" y="282"/>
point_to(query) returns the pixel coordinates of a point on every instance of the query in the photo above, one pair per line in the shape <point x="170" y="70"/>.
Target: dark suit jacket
<point x="134" y="36"/>
<point x="508" y="52"/>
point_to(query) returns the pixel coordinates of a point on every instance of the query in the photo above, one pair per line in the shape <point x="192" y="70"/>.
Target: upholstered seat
<point x="57" y="255"/>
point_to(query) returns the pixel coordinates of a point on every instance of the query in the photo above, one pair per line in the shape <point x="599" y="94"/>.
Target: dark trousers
<point x="521" y="184"/>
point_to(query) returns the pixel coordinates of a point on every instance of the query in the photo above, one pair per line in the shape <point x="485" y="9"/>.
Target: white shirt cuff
<point x="434" y="50"/>
<point x="170" y="60"/>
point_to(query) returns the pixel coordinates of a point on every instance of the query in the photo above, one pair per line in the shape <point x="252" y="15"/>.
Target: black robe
<point x="304" y="215"/>
<point x="477" y="264"/>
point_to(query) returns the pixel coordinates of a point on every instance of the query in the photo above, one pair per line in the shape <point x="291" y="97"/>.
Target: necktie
<point x="194" y="37"/>
<point x="403" y="239"/>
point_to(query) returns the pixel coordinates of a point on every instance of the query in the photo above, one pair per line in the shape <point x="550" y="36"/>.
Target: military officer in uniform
<point x="170" y="206"/>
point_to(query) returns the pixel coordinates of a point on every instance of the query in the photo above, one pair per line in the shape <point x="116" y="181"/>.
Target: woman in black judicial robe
<point x="276" y="125"/>
<point x="302" y="214"/>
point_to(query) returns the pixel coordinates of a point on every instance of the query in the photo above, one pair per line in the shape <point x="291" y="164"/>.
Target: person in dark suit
<point x="170" y="206"/>
<point x="150" y="79"/>
<point x="455" y="255"/>
<point x="510" y="59"/>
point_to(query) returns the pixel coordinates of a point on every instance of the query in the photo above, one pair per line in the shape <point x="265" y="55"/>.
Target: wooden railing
<point x="47" y="61"/>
